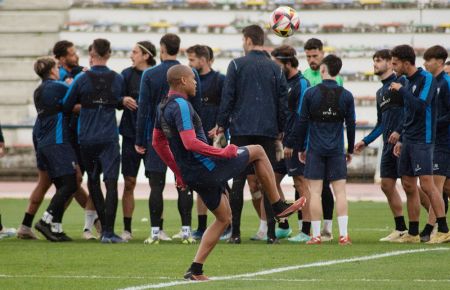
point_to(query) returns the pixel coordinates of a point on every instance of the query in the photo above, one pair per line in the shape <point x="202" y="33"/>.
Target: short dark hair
<point x="383" y="54"/>
<point x="286" y="54"/>
<point x="148" y="48"/>
<point x="255" y="33"/>
<point x="43" y="66"/>
<point x="333" y="63"/>
<point x="199" y="51"/>
<point x="447" y="63"/>
<point x="60" y="48"/>
<point x="437" y="52"/>
<point x="313" y="43"/>
<point x="102" y="47"/>
<point x="404" y="52"/>
<point x="171" y="42"/>
<point x="211" y="52"/>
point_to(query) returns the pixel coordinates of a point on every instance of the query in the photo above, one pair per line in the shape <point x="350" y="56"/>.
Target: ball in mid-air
<point x="284" y="21"/>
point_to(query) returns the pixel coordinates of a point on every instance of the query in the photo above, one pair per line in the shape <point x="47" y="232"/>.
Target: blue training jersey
<point x="443" y="109"/>
<point x="419" y="97"/>
<point x="132" y="81"/>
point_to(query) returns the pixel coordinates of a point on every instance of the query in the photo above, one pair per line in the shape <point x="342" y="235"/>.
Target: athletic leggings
<point x="157" y="181"/>
<point x="65" y="187"/>
<point x="106" y="207"/>
<point x="327" y="201"/>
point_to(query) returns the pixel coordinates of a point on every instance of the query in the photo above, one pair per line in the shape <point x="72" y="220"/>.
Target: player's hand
<point x="68" y="81"/>
<point x="130" y="103"/>
<point x="288" y="153"/>
<point x="230" y="151"/>
<point x="180" y="183"/>
<point x="397" y="149"/>
<point x="302" y="157"/>
<point x="2" y="149"/>
<point x="395" y="86"/>
<point x="213" y="132"/>
<point x="219" y="141"/>
<point x="359" y="147"/>
<point x="219" y="130"/>
<point x="393" y="139"/>
<point x="76" y="109"/>
<point x="139" y="149"/>
<point x="348" y="158"/>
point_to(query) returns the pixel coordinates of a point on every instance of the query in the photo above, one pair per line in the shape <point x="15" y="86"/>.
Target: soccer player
<point x="416" y="146"/>
<point x="390" y="125"/>
<point x="154" y="88"/>
<point x="435" y="58"/>
<point x="2" y="143"/>
<point x="211" y="83"/>
<point x="324" y="109"/>
<point x="53" y="147"/>
<point x="447" y="68"/>
<point x="100" y="91"/>
<point x="285" y="57"/>
<point x="142" y="58"/>
<point x="4" y="232"/>
<point x="253" y="107"/>
<point x="180" y="141"/>
<point x="64" y="51"/>
<point x="314" y="56"/>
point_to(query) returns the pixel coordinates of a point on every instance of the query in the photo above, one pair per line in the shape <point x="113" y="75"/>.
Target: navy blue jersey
<point x="212" y="84"/>
<point x="179" y="115"/>
<point x="154" y="87"/>
<point x="97" y="121"/>
<point x="419" y="97"/>
<point x="443" y="109"/>
<point x="389" y="111"/>
<point x="51" y="126"/>
<point x="326" y="137"/>
<point x="132" y="81"/>
<point x="254" y="98"/>
<point x="65" y="74"/>
<point x="297" y="86"/>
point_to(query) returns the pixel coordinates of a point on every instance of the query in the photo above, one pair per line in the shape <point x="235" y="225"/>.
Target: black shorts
<point x="105" y="155"/>
<point x="267" y="143"/>
<point x="280" y="167"/>
<point x="294" y="166"/>
<point x="416" y="160"/>
<point x="211" y="184"/>
<point x="389" y="162"/>
<point x="131" y="160"/>
<point x="153" y="162"/>
<point x="320" y="167"/>
<point x="441" y="160"/>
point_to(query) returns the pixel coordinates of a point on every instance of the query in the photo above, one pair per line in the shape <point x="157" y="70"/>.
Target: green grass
<point x="91" y="265"/>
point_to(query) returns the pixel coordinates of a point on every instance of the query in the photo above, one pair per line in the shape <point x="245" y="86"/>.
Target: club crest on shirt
<point x="414" y="88"/>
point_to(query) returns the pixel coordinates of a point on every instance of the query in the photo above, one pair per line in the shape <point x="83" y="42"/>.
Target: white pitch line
<point x="288" y="268"/>
<point x="349" y="280"/>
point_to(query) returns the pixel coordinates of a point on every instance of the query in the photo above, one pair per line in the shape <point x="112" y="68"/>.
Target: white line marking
<point x="289" y="268"/>
<point x="350" y="280"/>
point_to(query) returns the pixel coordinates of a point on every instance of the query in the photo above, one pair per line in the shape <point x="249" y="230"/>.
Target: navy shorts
<point x="77" y="150"/>
<point x="103" y="157"/>
<point x="39" y="162"/>
<point x="58" y="160"/>
<point x="280" y="167"/>
<point x="152" y="162"/>
<point x="331" y="168"/>
<point x="210" y="185"/>
<point x="389" y="162"/>
<point x="441" y="160"/>
<point x="416" y="160"/>
<point x="294" y="166"/>
<point x="131" y="160"/>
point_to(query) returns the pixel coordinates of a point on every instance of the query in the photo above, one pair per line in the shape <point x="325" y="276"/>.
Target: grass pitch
<point x="91" y="265"/>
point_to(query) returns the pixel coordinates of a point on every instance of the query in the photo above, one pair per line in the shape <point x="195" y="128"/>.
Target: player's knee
<point x="386" y="188"/>
<point x="130" y="183"/>
<point x="256" y="194"/>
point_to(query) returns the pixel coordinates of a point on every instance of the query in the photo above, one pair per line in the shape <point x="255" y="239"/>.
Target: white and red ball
<point x="284" y="21"/>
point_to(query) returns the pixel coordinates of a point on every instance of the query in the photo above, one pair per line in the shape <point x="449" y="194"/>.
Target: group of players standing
<point x="263" y="100"/>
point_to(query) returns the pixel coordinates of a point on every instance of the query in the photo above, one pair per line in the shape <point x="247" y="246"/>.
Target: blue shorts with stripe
<point x="211" y="184"/>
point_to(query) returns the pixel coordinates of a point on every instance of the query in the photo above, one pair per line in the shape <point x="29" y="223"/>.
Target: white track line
<point x="289" y="268"/>
<point x="349" y="280"/>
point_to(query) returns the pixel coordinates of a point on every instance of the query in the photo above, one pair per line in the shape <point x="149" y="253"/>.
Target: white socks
<point x="262" y="226"/>
<point x="89" y="219"/>
<point x="186" y="230"/>
<point x="47" y="217"/>
<point x="315" y="228"/>
<point x="343" y="222"/>
<point x="328" y="226"/>
<point x="155" y="233"/>
<point x="57" y="228"/>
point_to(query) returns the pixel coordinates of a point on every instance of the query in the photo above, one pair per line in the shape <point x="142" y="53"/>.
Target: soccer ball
<point x="284" y="21"/>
